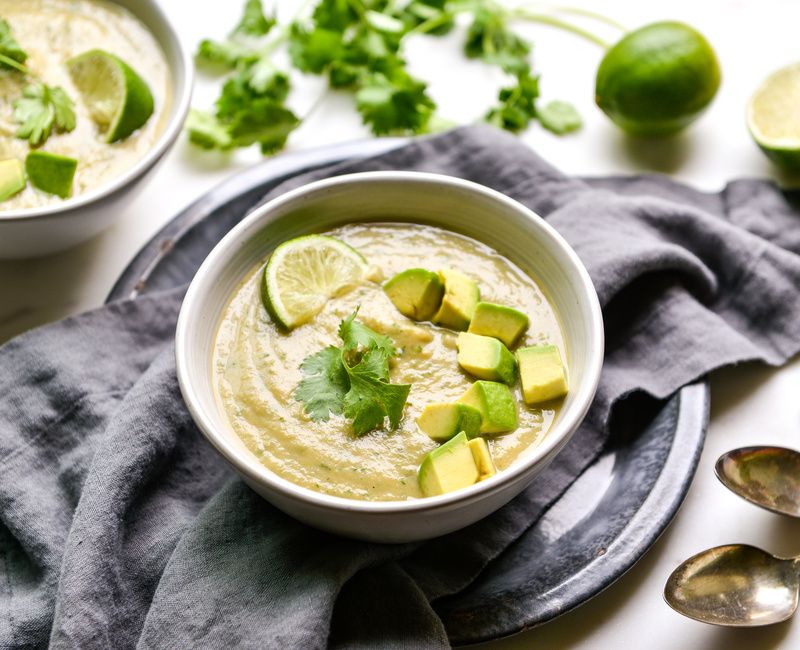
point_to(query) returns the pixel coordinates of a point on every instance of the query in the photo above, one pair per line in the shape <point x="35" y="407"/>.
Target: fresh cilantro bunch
<point x="358" y="45"/>
<point x="42" y="108"/>
<point x="353" y="380"/>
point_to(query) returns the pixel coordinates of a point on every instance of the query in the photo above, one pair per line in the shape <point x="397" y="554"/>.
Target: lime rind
<point x="302" y="274"/>
<point x="119" y="100"/>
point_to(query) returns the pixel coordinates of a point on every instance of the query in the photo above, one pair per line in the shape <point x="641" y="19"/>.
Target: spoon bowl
<point x="769" y="477"/>
<point x="735" y="585"/>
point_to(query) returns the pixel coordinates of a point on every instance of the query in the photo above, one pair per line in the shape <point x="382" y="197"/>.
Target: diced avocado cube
<point x="486" y="358"/>
<point x="496" y="404"/>
<point x="461" y="296"/>
<point x="443" y="420"/>
<point x="51" y="173"/>
<point x="417" y="293"/>
<point x="447" y="468"/>
<point x="483" y="458"/>
<point x="499" y="321"/>
<point x="542" y="373"/>
<point x="12" y="178"/>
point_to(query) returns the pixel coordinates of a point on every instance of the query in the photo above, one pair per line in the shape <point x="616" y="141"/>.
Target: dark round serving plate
<point x="588" y="538"/>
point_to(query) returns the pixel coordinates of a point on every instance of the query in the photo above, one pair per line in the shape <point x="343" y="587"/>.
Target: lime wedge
<point x="773" y="117"/>
<point x="12" y="178"/>
<point x="304" y="273"/>
<point x="51" y="173"/>
<point x="118" y="99"/>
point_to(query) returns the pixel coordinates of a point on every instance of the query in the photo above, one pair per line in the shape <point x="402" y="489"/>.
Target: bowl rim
<point x="248" y="465"/>
<point x="185" y="68"/>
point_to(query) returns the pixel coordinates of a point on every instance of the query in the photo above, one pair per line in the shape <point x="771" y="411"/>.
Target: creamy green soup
<point x="257" y="367"/>
<point x="52" y="31"/>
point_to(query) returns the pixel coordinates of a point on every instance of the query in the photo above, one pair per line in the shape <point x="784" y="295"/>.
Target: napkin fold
<point x="120" y="527"/>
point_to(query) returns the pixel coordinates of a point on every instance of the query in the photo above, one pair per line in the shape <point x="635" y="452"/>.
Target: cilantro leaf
<point x="207" y="132"/>
<point x="371" y="399"/>
<point x="265" y="122"/>
<point x="325" y="384"/>
<point x="254" y="22"/>
<point x="396" y="104"/>
<point x="489" y="38"/>
<point x="357" y="335"/>
<point x="228" y="53"/>
<point x="517" y="104"/>
<point x="10" y="48"/>
<point x="559" y="117"/>
<point x="41" y="109"/>
<point x="353" y="380"/>
<point x="314" y="50"/>
<point x="252" y="84"/>
<point x="336" y="15"/>
<point x="241" y="46"/>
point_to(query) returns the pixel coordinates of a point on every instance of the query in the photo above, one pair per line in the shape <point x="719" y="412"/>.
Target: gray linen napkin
<point x="120" y="527"/>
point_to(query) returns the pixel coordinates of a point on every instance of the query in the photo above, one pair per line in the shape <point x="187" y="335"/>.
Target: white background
<point x="750" y="405"/>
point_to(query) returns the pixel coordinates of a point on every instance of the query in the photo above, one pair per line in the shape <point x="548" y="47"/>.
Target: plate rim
<point x="677" y="472"/>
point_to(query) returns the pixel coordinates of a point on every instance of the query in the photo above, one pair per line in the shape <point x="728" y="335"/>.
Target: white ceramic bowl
<point x="450" y="203"/>
<point x="39" y="231"/>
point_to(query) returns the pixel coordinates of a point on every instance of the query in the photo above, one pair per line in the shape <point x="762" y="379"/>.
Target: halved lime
<point x="51" y="173"/>
<point x="118" y="99"/>
<point x="304" y="273"/>
<point x="773" y="117"/>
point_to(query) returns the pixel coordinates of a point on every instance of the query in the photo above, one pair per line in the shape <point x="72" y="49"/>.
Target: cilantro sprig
<point x="42" y="108"/>
<point x="358" y="45"/>
<point x="353" y="380"/>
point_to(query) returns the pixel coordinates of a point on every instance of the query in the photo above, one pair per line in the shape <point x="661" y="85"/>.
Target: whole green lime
<point x="657" y="79"/>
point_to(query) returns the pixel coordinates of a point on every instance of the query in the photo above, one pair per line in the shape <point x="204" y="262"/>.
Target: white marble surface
<point x="749" y="404"/>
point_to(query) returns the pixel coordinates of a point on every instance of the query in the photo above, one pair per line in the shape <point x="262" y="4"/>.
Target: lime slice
<point x="51" y="173"/>
<point x="773" y="117"/>
<point x="118" y="99"/>
<point x="304" y="273"/>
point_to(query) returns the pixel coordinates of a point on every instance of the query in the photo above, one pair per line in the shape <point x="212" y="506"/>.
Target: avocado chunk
<point x="499" y="321"/>
<point x="483" y="458"/>
<point x="51" y="173"/>
<point x="486" y="358"/>
<point x="496" y="404"/>
<point x="417" y="293"/>
<point x="461" y="296"/>
<point x="447" y="468"/>
<point x="12" y="178"/>
<point x="443" y="420"/>
<point x="542" y="373"/>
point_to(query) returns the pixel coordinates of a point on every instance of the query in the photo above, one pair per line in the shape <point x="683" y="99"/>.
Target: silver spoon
<point x="766" y="476"/>
<point x="735" y="585"/>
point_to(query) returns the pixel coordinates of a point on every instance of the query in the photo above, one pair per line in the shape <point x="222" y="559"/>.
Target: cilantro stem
<point x="576" y="11"/>
<point x="7" y="60"/>
<point x="430" y="24"/>
<point x="553" y="21"/>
